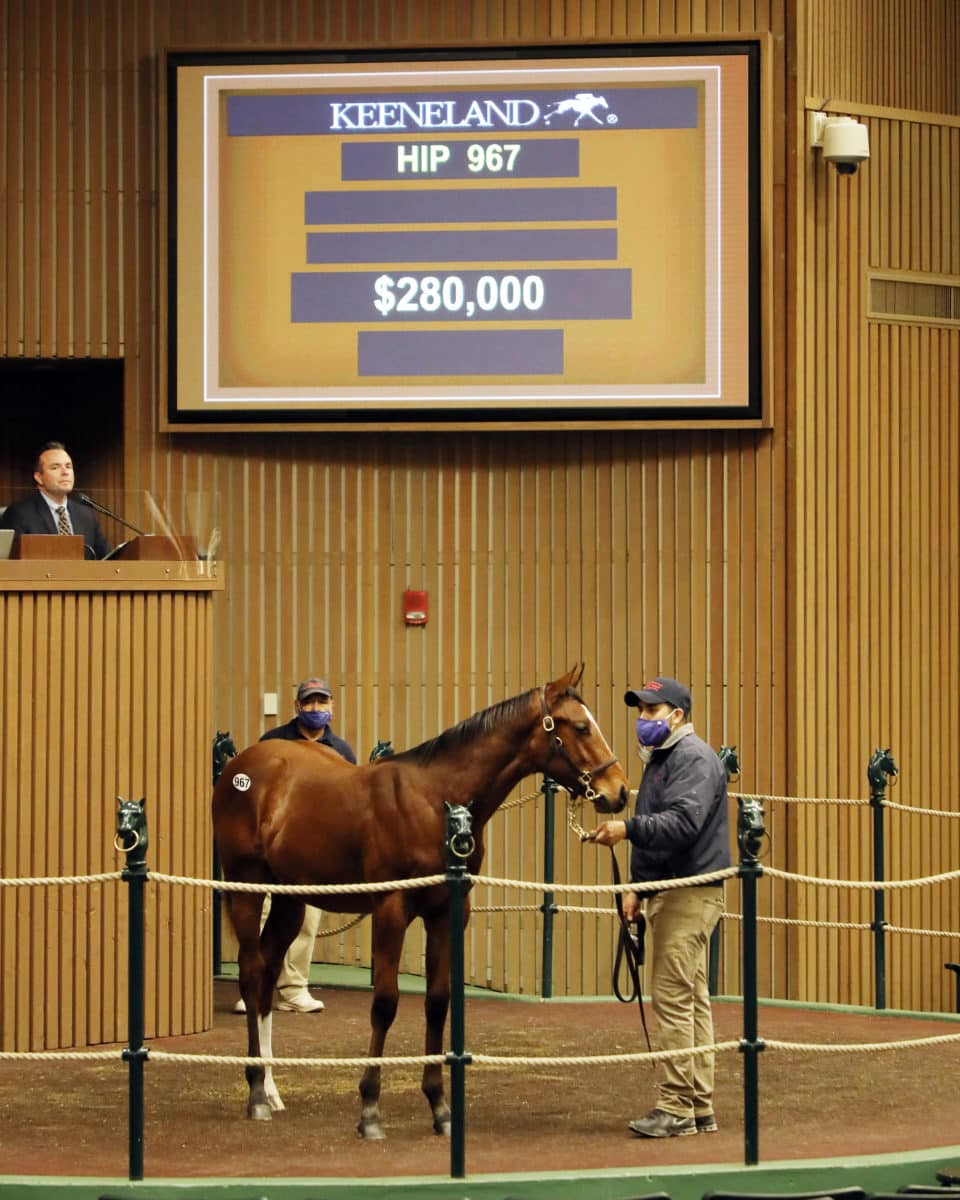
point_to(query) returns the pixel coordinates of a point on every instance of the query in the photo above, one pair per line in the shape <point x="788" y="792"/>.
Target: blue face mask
<point x="652" y="733"/>
<point x="315" y="718"/>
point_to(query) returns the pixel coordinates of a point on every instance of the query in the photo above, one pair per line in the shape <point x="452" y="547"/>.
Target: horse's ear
<point x="579" y="675"/>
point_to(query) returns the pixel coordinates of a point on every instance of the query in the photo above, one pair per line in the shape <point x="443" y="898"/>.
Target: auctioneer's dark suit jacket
<point x="33" y="515"/>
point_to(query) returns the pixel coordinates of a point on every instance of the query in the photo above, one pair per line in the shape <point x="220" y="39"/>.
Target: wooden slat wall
<point x="876" y="497"/>
<point x="739" y="560"/>
<point x="93" y="706"/>
<point x="895" y="53"/>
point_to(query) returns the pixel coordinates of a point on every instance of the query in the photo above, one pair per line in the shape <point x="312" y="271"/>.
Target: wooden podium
<point x="106" y="691"/>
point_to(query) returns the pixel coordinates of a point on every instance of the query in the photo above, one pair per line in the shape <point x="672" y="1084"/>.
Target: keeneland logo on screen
<point x="468" y="113"/>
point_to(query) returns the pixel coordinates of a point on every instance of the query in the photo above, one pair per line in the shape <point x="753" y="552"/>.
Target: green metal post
<point x="459" y="847"/>
<point x="548" y="908"/>
<point x="881" y="765"/>
<point x="135" y="874"/>
<point x="750" y="832"/>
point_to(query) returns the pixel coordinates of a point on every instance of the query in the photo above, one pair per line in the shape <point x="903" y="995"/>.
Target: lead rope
<point x="629" y="951"/>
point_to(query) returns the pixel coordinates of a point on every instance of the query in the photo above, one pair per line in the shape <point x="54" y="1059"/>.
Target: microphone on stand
<point x="83" y="498"/>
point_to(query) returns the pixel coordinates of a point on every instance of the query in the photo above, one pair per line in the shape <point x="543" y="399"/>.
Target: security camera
<point x="845" y="143"/>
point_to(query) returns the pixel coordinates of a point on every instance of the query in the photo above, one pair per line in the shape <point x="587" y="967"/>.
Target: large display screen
<point x="524" y="241"/>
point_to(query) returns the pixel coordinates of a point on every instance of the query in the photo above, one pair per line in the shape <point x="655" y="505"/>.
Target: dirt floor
<point x="71" y="1119"/>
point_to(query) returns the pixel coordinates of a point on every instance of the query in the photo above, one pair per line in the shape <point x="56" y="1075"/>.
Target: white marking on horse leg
<point x="266" y="1051"/>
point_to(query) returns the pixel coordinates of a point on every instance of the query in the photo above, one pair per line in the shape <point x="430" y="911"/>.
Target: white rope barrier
<point x="947" y="933"/>
<point x="303" y="889"/>
<point x="54" y="880"/>
<point x="800" y="922"/>
<point x="61" y="1055"/>
<point x="164" y="1057"/>
<point x="922" y="812"/>
<point x="240" y="1060"/>
<point x="798" y="799"/>
<point x="424" y="881"/>
<point x="391" y="885"/>
<point x="885" y="885"/>
<point x="942" y="1039"/>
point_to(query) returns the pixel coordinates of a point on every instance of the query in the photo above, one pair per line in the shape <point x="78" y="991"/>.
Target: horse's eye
<point x="582" y="728"/>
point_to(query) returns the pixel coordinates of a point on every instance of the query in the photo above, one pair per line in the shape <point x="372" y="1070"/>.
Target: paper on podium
<point x="156" y="547"/>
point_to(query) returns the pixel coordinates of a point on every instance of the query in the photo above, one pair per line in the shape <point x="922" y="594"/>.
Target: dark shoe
<point x="707" y="1123"/>
<point x="660" y="1124"/>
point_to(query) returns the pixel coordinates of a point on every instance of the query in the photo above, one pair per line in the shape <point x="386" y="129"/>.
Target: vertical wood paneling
<point x="83" y="721"/>
<point x="898" y="53"/>
<point x="875" y="473"/>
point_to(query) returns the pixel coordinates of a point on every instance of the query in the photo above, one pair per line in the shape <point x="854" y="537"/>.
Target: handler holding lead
<point x="680" y="829"/>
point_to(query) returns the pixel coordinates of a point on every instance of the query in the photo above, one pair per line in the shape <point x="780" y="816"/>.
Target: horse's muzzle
<point x="606" y="804"/>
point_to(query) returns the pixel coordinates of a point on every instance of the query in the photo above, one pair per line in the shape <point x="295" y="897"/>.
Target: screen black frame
<point x="754" y="414"/>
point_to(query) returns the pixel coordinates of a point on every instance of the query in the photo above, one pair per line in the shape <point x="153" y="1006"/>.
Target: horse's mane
<point x="481" y="723"/>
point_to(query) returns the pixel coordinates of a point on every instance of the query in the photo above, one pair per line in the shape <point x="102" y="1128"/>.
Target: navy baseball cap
<point x="660" y="690"/>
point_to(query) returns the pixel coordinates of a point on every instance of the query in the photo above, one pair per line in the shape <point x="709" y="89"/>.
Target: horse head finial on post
<point x="383" y="749"/>
<point x="731" y="763"/>
<point x="880" y="767"/>
<point x="460" y="839"/>
<point x="223" y="751"/>
<point x="131" y="835"/>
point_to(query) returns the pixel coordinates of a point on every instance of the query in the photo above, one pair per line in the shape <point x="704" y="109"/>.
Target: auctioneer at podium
<point x="51" y="511"/>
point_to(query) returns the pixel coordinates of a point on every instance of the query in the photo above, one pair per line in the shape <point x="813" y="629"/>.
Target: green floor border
<point x="877" y="1173"/>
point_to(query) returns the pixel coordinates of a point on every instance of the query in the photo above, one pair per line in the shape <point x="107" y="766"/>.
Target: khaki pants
<point x="295" y="969"/>
<point x="680" y="924"/>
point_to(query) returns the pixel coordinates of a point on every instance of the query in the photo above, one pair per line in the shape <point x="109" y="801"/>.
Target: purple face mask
<point x="315" y="718"/>
<point x="652" y="733"/>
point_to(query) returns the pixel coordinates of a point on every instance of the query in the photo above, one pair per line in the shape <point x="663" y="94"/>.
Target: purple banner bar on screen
<point x="454" y="246"/>
<point x="599" y="294"/>
<point x="582" y="107"/>
<point x="459" y="205"/>
<point x="553" y="158"/>
<point x="460" y="352"/>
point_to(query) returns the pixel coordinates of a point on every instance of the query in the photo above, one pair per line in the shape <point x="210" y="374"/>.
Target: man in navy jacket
<point x="680" y="830"/>
<point x="49" y="509"/>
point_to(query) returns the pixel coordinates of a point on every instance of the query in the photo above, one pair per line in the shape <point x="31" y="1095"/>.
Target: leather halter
<point x="584" y="777"/>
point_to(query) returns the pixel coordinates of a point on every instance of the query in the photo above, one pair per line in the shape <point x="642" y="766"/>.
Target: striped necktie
<point x="63" y="525"/>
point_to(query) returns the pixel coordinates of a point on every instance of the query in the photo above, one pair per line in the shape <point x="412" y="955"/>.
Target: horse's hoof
<point x="442" y="1126"/>
<point x="274" y="1102"/>
<point x="259" y="1112"/>
<point x="371" y="1131"/>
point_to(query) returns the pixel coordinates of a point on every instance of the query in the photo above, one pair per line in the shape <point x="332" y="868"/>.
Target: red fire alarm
<point x="415" y="607"/>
